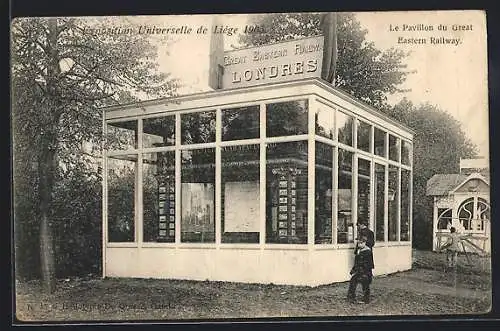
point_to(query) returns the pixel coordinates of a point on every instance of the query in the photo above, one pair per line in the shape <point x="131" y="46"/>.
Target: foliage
<point x="63" y="72"/>
<point x="362" y="70"/>
<point x="439" y="143"/>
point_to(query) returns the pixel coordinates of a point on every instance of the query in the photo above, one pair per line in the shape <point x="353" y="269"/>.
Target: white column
<point x="311" y="156"/>
<point x="104" y="195"/>
<point x="386" y="204"/>
<point x="335" y="193"/>
<point x="138" y="188"/>
<point x="218" y="221"/>
<point x="178" y="164"/>
<point x="262" y="171"/>
<point x="434" y="224"/>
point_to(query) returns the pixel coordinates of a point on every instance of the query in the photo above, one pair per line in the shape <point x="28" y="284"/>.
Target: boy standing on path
<point x="361" y="271"/>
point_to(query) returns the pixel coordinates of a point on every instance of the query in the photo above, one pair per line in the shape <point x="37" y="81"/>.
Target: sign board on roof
<point x="284" y="61"/>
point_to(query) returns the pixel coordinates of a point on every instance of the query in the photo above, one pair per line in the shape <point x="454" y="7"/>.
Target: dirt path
<point x="450" y="284"/>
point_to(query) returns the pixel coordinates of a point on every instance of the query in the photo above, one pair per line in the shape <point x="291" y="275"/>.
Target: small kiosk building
<point x="258" y="184"/>
<point x="462" y="201"/>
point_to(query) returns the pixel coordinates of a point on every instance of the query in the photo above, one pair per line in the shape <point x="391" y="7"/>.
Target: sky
<point x="452" y="77"/>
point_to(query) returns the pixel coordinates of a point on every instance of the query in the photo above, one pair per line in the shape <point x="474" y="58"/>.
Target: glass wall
<point x="240" y="123"/>
<point x="286" y="118"/>
<point x="345" y="225"/>
<point x="324" y="172"/>
<point x="122" y="172"/>
<point x="394" y="148"/>
<point x="121" y="135"/>
<point x="345" y="128"/>
<point x="405" y="205"/>
<point x="158" y="132"/>
<point x="379" y="142"/>
<point x="324" y="122"/>
<point x="393" y="203"/>
<point x="198" y="128"/>
<point x="364" y="132"/>
<point x="232" y="165"/>
<point x="379" y="202"/>
<point x="364" y="207"/>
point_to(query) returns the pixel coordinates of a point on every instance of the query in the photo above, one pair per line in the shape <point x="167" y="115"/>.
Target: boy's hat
<point x="362" y="222"/>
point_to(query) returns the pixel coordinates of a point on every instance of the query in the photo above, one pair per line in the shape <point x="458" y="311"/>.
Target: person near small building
<point x="452" y="248"/>
<point x="361" y="272"/>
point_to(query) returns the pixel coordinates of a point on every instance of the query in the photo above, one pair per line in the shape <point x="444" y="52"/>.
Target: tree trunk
<point x="47" y="253"/>
<point x="47" y="159"/>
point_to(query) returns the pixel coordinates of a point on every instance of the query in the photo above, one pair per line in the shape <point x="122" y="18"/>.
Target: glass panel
<point x="406" y="151"/>
<point x="159" y="197"/>
<point x="483" y="214"/>
<point x="240" y="194"/>
<point x="379" y="202"/>
<point x="198" y="195"/>
<point x="158" y="132"/>
<point x="405" y="205"/>
<point x="444" y="218"/>
<point x="323" y="200"/>
<point x="344" y="128"/>
<point x="345" y="226"/>
<point x="364" y="136"/>
<point x="286" y="118"/>
<point x="198" y="128"/>
<point x="324" y="119"/>
<point x="240" y="123"/>
<point x="121" y="135"/>
<point x="393" y="202"/>
<point x="394" y="146"/>
<point x="286" y="192"/>
<point x="121" y="197"/>
<point x="466" y="213"/>
<point x="379" y="142"/>
<point x="364" y="172"/>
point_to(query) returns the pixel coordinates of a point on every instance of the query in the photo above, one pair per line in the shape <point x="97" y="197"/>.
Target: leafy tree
<point x="62" y="73"/>
<point x="439" y="143"/>
<point x="362" y="70"/>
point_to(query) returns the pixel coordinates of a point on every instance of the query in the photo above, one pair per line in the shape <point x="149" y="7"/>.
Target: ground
<point x="427" y="289"/>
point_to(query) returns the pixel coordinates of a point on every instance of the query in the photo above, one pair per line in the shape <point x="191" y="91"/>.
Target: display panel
<point x="345" y="225"/>
<point x="323" y="198"/>
<point x="159" y="197"/>
<point x="286" y="193"/>
<point x="379" y="202"/>
<point x="240" y="185"/>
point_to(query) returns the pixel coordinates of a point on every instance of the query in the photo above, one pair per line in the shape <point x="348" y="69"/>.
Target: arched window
<point x="444" y="218"/>
<point x="466" y="213"/>
<point x="483" y="213"/>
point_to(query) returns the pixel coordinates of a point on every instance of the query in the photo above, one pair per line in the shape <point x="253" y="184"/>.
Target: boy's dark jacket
<point x="363" y="262"/>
